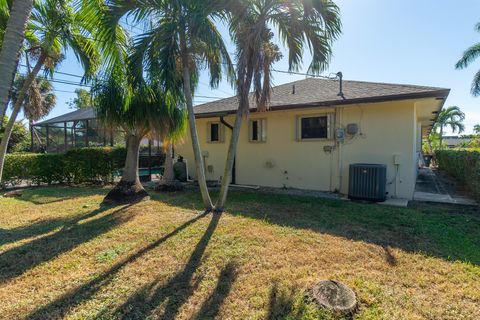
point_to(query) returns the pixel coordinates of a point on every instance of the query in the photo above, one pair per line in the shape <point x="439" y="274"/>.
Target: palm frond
<point x="468" y="56"/>
<point x="138" y="107"/>
<point x="475" y="89"/>
<point x="40" y="98"/>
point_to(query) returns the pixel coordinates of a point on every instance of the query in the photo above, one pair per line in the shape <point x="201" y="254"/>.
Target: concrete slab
<point x="395" y="202"/>
<point x="442" y="198"/>
<point x="432" y="188"/>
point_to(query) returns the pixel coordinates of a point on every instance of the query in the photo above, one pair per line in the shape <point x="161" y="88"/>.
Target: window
<point x="215" y="132"/>
<point x="314" y="127"/>
<point x="257" y="130"/>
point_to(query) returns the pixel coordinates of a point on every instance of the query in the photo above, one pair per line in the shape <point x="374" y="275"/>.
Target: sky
<point x="408" y="41"/>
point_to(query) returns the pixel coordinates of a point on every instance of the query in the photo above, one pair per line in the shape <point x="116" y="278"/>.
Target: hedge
<point x="85" y="165"/>
<point x="462" y="164"/>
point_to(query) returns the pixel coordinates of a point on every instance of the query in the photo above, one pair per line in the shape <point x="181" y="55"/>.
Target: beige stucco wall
<point x="386" y="130"/>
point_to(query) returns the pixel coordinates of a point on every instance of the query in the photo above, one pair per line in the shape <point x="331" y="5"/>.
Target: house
<point x="315" y="129"/>
<point x="457" y="141"/>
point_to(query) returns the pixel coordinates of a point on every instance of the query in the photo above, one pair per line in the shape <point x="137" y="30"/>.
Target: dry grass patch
<point x="62" y="255"/>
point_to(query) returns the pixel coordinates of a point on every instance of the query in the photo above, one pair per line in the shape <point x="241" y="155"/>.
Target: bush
<point x="86" y="165"/>
<point x="464" y="165"/>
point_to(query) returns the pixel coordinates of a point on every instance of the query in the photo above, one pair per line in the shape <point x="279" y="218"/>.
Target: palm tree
<point x="53" y="28"/>
<point x="181" y="40"/>
<point x="139" y="109"/>
<point x="470" y="55"/>
<point x="450" y="117"/>
<point x="40" y="99"/>
<point x="315" y="24"/>
<point x="476" y="129"/>
<point x="13" y="21"/>
<point x="38" y="102"/>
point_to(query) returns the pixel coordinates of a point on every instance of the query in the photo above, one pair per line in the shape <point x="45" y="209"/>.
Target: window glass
<point x="255" y="130"/>
<point x="314" y="127"/>
<point x="214" y="132"/>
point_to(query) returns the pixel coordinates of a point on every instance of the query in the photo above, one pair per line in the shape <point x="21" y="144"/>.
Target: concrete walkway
<point x="430" y="188"/>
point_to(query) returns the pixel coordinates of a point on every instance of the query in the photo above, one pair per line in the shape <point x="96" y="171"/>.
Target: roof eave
<point x="442" y="93"/>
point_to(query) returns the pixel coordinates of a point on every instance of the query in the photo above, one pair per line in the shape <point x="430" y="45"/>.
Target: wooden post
<point x="86" y="133"/>
<point x="65" y="138"/>
<point x="47" y="143"/>
<point x="150" y="157"/>
<point x="74" y="138"/>
<point x="31" y="137"/>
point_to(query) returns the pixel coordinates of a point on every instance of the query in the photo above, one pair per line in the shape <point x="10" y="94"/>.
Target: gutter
<point x="234" y="169"/>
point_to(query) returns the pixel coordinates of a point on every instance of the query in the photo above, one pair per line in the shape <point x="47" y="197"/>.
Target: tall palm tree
<point x="139" y="109"/>
<point x="299" y="24"/>
<point x="13" y="21"/>
<point x="470" y="55"/>
<point x="451" y="117"/>
<point x="56" y="28"/>
<point x="181" y="40"/>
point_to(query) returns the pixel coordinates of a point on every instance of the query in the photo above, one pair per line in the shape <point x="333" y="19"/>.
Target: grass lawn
<point x="62" y="255"/>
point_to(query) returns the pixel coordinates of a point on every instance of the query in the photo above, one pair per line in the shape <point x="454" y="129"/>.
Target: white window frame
<point x="330" y="125"/>
<point x="262" y="128"/>
<point x="221" y="132"/>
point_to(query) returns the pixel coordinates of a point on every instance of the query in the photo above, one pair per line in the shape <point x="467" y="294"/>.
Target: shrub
<point x="86" y="165"/>
<point x="464" y="165"/>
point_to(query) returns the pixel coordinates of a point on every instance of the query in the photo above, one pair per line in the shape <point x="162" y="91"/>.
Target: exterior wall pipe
<point x="339" y="147"/>
<point x="234" y="167"/>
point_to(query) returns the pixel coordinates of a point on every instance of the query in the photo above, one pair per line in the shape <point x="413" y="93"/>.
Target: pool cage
<point x="80" y="128"/>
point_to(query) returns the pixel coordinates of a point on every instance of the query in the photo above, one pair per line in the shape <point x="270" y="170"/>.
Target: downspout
<point x="339" y="147"/>
<point x="234" y="175"/>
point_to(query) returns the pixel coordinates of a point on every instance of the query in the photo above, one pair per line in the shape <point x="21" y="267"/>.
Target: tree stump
<point x="333" y="295"/>
<point x="13" y="194"/>
<point x="126" y="193"/>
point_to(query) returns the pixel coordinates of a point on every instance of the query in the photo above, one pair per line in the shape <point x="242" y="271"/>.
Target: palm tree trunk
<point x="243" y="87"/>
<point x="227" y="173"/>
<point x="129" y="189"/>
<point x="441" y="137"/>
<point x="10" y="53"/>
<point x="202" y="181"/>
<point x="168" y="174"/>
<point x="16" y="109"/>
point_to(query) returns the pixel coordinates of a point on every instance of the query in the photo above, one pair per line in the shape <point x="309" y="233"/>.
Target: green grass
<point x="63" y="255"/>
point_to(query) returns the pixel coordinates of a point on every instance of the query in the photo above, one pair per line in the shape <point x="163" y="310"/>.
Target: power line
<point x="59" y="72"/>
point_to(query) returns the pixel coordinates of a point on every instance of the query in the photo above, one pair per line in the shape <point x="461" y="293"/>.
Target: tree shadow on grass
<point x="212" y="304"/>
<point x="41" y="227"/>
<point x="279" y="304"/>
<point x="290" y="303"/>
<point x="175" y="292"/>
<point x="60" y="307"/>
<point x="46" y="195"/>
<point x="446" y="231"/>
<point x="18" y="260"/>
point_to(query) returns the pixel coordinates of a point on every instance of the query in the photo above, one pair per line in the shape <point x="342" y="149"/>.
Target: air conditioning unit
<point x="367" y="182"/>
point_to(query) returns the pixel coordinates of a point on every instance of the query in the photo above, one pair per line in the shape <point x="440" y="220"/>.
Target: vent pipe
<point x="340" y="78"/>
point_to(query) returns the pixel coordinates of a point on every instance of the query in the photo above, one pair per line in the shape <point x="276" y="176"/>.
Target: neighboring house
<point x="456" y="141"/>
<point x="311" y="135"/>
<point x="80" y="128"/>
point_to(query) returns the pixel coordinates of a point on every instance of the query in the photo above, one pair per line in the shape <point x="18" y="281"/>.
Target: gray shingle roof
<point x="81" y="114"/>
<point x="323" y="92"/>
